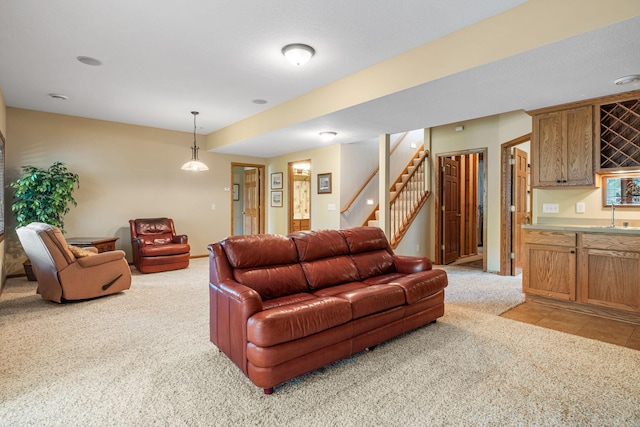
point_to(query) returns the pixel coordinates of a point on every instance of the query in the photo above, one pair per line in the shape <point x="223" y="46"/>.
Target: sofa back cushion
<point x="324" y="256"/>
<point x="267" y="263"/>
<point x="370" y="251"/>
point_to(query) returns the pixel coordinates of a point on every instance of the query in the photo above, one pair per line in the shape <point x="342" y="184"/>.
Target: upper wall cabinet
<point x="562" y="147"/>
<point x="619" y="136"/>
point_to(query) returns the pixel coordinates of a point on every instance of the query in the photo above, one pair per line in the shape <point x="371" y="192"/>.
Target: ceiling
<point x="162" y="59"/>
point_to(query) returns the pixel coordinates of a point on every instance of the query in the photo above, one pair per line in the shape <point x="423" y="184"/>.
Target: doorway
<point x="300" y="195"/>
<point x="460" y="202"/>
<point x="247" y="198"/>
<point x="515" y="202"/>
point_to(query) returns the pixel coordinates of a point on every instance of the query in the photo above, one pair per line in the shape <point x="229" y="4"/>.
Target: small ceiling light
<point x="194" y="164"/>
<point x="259" y="101"/>
<point x="627" y="79"/>
<point x="297" y="53"/>
<point x="328" y="136"/>
<point x="89" y="61"/>
<point x="58" y="96"/>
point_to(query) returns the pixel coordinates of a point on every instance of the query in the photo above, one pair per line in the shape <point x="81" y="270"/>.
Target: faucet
<point x="613" y="215"/>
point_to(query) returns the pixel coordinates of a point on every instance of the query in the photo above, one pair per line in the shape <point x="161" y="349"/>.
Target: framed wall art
<point x="276" y="181"/>
<point x="276" y="199"/>
<point x="324" y="183"/>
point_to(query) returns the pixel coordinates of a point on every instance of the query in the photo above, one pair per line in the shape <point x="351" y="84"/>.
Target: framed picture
<point x="276" y="181"/>
<point x="236" y="192"/>
<point x="276" y="199"/>
<point x="324" y="183"/>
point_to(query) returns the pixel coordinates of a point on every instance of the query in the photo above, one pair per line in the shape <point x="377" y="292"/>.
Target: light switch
<point x="550" y="208"/>
<point x="580" y="207"/>
<point x="331" y="207"/>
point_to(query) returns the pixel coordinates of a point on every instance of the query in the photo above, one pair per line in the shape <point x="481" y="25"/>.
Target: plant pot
<point x="28" y="269"/>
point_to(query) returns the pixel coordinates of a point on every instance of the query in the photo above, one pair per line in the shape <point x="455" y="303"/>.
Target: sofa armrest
<point x="230" y="307"/>
<point x="137" y="243"/>
<point x="182" y="239"/>
<point x="411" y="264"/>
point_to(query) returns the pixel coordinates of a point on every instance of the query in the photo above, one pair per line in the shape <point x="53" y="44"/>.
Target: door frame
<point x="506" y="191"/>
<point x="438" y="258"/>
<point x="261" y="193"/>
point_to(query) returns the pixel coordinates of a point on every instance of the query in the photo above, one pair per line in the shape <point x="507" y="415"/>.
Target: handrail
<point x="375" y="172"/>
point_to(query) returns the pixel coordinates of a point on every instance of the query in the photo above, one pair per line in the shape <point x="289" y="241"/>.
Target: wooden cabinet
<point x="562" y="148"/>
<point x="300" y="224"/>
<point x="595" y="272"/>
<point x="549" y="265"/>
<point x="610" y="268"/>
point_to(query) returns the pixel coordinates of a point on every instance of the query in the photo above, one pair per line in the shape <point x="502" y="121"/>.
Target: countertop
<point x="584" y="228"/>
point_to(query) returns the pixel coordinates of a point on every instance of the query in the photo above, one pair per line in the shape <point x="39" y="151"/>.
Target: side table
<point x="103" y="244"/>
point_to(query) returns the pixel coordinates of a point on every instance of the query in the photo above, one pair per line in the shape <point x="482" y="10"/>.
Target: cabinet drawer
<point x="611" y="241"/>
<point x="548" y="237"/>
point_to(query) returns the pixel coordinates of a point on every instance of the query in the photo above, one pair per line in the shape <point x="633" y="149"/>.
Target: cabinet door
<point x="548" y="149"/>
<point x="578" y="162"/>
<point x="550" y="271"/>
<point x="610" y="278"/>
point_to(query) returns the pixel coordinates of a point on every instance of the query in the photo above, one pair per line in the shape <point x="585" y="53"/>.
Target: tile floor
<point x="585" y="325"/>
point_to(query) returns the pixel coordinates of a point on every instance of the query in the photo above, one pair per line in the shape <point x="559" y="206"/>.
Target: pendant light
<point x="194" y="164"/>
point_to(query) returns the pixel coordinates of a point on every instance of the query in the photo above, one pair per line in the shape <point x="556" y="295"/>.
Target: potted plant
<point x="43" y="195"/>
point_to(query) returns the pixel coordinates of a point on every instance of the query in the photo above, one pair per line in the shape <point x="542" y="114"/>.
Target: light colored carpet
<point x="144" y="358"/>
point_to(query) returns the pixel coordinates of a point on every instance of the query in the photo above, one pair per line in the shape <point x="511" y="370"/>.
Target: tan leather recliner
<point x="156" y="246"/>
<point x="62" y="276"/>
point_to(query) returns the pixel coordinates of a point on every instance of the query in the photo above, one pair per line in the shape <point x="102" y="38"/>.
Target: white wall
<point x="126" y="172"/>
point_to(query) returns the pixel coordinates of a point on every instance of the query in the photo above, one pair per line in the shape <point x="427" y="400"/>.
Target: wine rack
<point x="620" y="134"/>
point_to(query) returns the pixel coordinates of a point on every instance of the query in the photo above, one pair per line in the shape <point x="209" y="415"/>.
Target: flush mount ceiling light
<point x="87" y="60"/>
<point x="627" y="79"/>
<point x="297" y="53"/>
<point x="58" y="96"/>
<point x="194" y="164"/>
<point x="328" y="136"/>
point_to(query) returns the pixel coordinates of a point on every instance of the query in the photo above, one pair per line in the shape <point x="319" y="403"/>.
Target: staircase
<point x="407" y="196"/>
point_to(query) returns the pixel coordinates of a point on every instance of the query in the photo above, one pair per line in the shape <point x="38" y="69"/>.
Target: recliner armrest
<point x="411" y="264"/>
<point x="180" y="238"/>
<point x="139" y="242"/>
<point x="101" y="258"/>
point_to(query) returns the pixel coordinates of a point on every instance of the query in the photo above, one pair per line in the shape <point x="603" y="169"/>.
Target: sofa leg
<point x="433" y="321"/>
<point x="268" y="390"/>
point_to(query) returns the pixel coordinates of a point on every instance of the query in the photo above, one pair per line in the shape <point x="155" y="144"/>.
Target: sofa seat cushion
<point x="293" y="321"/>
<point x="163" y="250"/>
<point x="373" y="299"/>
<point x="420" y="285"/>
<point x="287" y="300"/>
<point x="383" y="278"/>
<point x="338" y="289"/>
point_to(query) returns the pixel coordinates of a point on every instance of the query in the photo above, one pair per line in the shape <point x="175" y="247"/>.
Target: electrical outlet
<point x="580" y="207"/>
<point x="550" y="208"/>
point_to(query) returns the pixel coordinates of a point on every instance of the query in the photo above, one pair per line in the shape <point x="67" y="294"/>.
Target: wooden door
<point x="251" y="201"/>
<point x="521" y="214"/>
<point x="451" y="218"/>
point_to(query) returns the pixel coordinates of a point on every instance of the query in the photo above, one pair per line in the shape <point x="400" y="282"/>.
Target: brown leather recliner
<point x="156" y="247"/>
<point x="64" y="275"/>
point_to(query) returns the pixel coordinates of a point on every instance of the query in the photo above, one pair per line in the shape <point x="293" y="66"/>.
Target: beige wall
<point x="323" y="160"/>
<point x="489" y="132"/>
<point x="126" y="172"/>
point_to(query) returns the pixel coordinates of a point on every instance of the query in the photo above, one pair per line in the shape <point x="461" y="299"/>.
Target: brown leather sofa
<point x="67" y="273"/>
<point x="156" y="246"/>
<point x="282" y="306"/>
